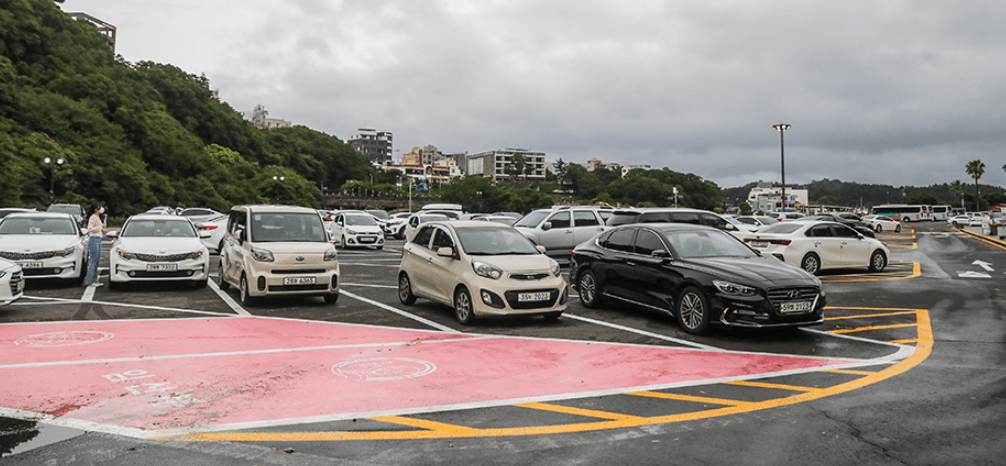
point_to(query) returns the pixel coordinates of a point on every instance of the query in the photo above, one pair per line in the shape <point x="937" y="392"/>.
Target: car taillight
<point x="781" y="242"/>
<point x="208" y="227"/>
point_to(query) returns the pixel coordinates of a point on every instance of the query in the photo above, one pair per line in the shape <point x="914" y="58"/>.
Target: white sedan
<point x="158" y="248"/>
<point x="356" y="229"/>
<point x="216" y="227"/>
<point x="45" y="245"/>
<point x="819" y="245"/>
<point x="881" y="223"/>
<point x="480" y="269"/>
<point x="11" y="282"/>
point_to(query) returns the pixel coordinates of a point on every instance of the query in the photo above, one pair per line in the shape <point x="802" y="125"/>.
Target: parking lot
<point x="171" y="366"/>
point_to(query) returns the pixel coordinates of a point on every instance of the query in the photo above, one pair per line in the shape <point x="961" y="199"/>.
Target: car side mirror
<point x="540" y="248"/>
<point x="660" y="254"/>
<point x="445" y="251"/>
<point x="547" y="226"/>
<point x="730" y="227"/>
<point x="110" y="234"/>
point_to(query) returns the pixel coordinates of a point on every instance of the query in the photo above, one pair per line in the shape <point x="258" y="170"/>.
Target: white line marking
<point x="641" y="332"/>
<point x="88" y="294"/>
<point x="227" y="299"/>
<point x="138" y="306"/>
<point x="369" y="286"/>
<point x="400" y="312"/>
<point x="367" y="265"/>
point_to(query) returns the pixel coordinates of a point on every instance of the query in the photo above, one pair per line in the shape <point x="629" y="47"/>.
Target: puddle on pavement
<point x="18" y="436"/>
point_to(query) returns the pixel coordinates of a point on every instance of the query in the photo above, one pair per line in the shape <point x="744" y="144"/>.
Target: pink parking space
<point x="241" y="381"/>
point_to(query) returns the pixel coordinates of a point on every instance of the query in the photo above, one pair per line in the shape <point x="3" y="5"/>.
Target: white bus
<point x="941" y="212"/>
<point x="904" y="212"/>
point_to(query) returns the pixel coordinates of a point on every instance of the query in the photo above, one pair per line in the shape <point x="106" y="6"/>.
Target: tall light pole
<point x="56" y="161"/>
<point x="781" y="128"/>
<point x="280" y="180"/>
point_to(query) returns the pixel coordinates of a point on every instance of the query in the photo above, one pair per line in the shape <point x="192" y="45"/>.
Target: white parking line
<point x="400" y="312"/>
<point x="227" y="299"/>
<point x="641" y="332"/>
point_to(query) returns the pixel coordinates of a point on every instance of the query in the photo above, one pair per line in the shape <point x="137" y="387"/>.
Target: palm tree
<point x="975" y="168"/>
<point x="957" y="190"/>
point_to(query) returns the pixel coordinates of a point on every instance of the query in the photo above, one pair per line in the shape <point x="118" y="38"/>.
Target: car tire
<point x="587" y="288"/>
<point x="693" y="312"/>
<point x="220" y="274"/>
<point x="897" y="229"/>
<point x="405" y="290"/>
<point x="464" y="309"/>
<point x="342" y="242"/>
<point x="956" y="225"/>
<point x="877" y="261"/>
<point x="811" y="263"/>
<point x="331" y="298"/>
<point x="245" y="295"/>
<point x="879" y="229"/>
<point x="552" y="316"/>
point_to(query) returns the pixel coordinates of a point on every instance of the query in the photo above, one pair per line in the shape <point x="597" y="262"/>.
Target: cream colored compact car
<point x="481" y="269"/>
<point x="271" y="250"/>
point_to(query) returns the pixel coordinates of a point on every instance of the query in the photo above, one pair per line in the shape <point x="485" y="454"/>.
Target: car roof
<point x="471" y="224"/>
<point x="273" y="208"/>
<point x="146" y="216"/>
<point x="670" y="226"/>
<point x="36" y="214"/>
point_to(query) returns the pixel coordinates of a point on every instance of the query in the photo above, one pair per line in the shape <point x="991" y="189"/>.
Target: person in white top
<point x="95" y="229"/>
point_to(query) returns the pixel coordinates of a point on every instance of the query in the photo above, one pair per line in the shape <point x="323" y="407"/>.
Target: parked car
<point x="394" y="227"/>
<point x="278" y="251"/>
<point x="679" y="215"/>
<point x="11" y="282"/>
<point x="504" y="219"/>
<point x="216" y="227"/>
<point x="11" y="210"/>
<point x="78" y="212"/>
<point x="957" y="220"/>
<point x="559" y="229"/>
<point x="45" y="245"/>
<point x="199" y="214"/>
<point x="818" y="245"/>
<point x="378" y="213"/>
<point x="357" y="229"/>
<point x="757" y="221"/>
<point x="155" y="247"/>
<point x="784" y="216"/>
<point x="881" y="223"/>
<point x="515" y="215"/>
<point x="859" y="226"/>
<point x="454" y="262"/>
<point x="702" y="276"/>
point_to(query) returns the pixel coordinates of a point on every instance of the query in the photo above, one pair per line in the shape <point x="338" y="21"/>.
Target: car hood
<point x="364" y="228"/>
<point x="518" y="263"/>
<point x="36" y="243"/>
<point x="159" y="245"/>
<point x="763" y="271"/>
<point x="294" y="247"/>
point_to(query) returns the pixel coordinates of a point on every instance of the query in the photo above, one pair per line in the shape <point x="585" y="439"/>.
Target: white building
<point x="493" y="164"/>
<point x="377" y="145"/>
<point x="260" y="119"/>
<point x="768" y="198"/>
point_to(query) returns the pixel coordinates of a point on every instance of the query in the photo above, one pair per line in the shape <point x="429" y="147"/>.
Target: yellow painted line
<point x="849" y="371"/>
<point x="868" y="316"/>
<point x="696" y="399"/>
<point x="902" y="342"/>
<point x="923" y="348"/>
<point x="916" y="272"/>
<point x="428" y="425"/>
<point x="778" y="386"/>
<point x="866" y="329"/>
<point x="577" y="411"/>
<point x="995" y="243"/>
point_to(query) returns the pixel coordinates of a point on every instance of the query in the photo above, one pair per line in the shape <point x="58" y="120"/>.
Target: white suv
<point x="278" y="250"/>
<point x="561" y="228"/>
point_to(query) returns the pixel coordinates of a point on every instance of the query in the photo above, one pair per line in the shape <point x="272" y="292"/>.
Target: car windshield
<point x="64" y="209"/>
<point x="533" y="219"/>
<point x="279" y="227"/>
<point x="691" y="244"/>
<point x="489" y="241"/>
<point x="783" y="228"/>
<point x="361" y="220"/>
<point x="38" y="226"/>
<point x="167" y="228"/>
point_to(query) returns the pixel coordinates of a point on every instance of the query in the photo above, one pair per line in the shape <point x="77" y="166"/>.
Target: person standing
<point x="95" y="229"/>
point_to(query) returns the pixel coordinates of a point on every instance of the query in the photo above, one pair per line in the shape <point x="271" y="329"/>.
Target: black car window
<point x="843" y="231"/>
<point x="653" y="217"/>
<point x="560" y="220"/>
<point x="820" y="231"/>
<point x="621" y="240"/>
<point x="236" y="220"/>
<point x="622" y="218"/>
<point x="712" y="243"/>
<point x="749" y="221"/>
<point x="423" y="237"/>
<point x="442" y="239"/>
<point x="647" y="242"/>
<point x="686" y="217"/>
<point x="584" y="219"/>
<point x="713" y="221"/>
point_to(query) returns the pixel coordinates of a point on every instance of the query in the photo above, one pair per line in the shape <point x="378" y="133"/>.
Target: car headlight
<point x="734" y="289"/>
<point x="3" y="274"/>
<point x="487" y="270"/>
<point x="66" y="252"/>
<point x="331" y="255"/>
<point x="262" y="255"/>
<point x="194" y="255"/>
<point x="350" y="231"/>
<point x="556" y="270"/>
<point x="125" y="254"/>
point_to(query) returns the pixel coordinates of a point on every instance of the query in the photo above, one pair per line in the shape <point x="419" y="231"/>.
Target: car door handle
<point x="630" y="264"/>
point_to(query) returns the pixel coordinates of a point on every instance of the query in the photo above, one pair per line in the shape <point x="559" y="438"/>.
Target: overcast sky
<point x="891" y="92"/>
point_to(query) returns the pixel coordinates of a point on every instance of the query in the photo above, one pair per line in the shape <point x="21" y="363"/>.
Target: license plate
<point x="367" y="239"/>
<point x="162" y="267"/>
<point x="799" y="306"/>
<point x="299" y="280"/>
<point x="526" y="297"/>
<point x="30" y="265"/>
<point x="758" y="244"/>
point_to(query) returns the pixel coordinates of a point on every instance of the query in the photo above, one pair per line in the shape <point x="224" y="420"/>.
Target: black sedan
<point x="698" y="274"/>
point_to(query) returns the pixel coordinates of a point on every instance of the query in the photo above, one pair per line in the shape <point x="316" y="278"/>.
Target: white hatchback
<point x="819" y="245"/>
<point x="154" y="247"/>
<point x="480" y="269"/>
<point x="357" y="229"/>
<point x="45" y="245"/>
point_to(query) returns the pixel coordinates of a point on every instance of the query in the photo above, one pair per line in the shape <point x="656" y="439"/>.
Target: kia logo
<point x="300" y="258"/>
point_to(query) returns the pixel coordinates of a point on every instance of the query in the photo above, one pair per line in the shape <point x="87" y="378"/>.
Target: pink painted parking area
<point x="149" y="378"/>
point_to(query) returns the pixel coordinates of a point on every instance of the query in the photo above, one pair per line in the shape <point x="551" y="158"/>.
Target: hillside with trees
<point x="851" y="194"/>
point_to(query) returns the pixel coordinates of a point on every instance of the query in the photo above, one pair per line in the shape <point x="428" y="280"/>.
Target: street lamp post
<point x="781" y="128"/>
<point x="56" y="161"/>
<point x="279" y="179"/>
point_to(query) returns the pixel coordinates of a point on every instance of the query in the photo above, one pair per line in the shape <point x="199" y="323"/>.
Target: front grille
<point x="801" y="293"/>
<point x="174" y="274"/>
<point x="160" y="257"/>
<point x="511" y="299"/>
<point x="45" y="271"/>
<point x="298" y="271"/>
<point x="529" y="276"/>
<point x="20" y="256"/>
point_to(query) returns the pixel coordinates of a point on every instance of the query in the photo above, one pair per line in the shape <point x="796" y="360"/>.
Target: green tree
<point x="976" y="169"/>
<point x="923" y="198"/>
<point x="957" y="190"/>
<point x="745" y="208"/>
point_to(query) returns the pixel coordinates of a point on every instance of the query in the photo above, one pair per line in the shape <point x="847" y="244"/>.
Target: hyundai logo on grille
<point x="794" y="294"/>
